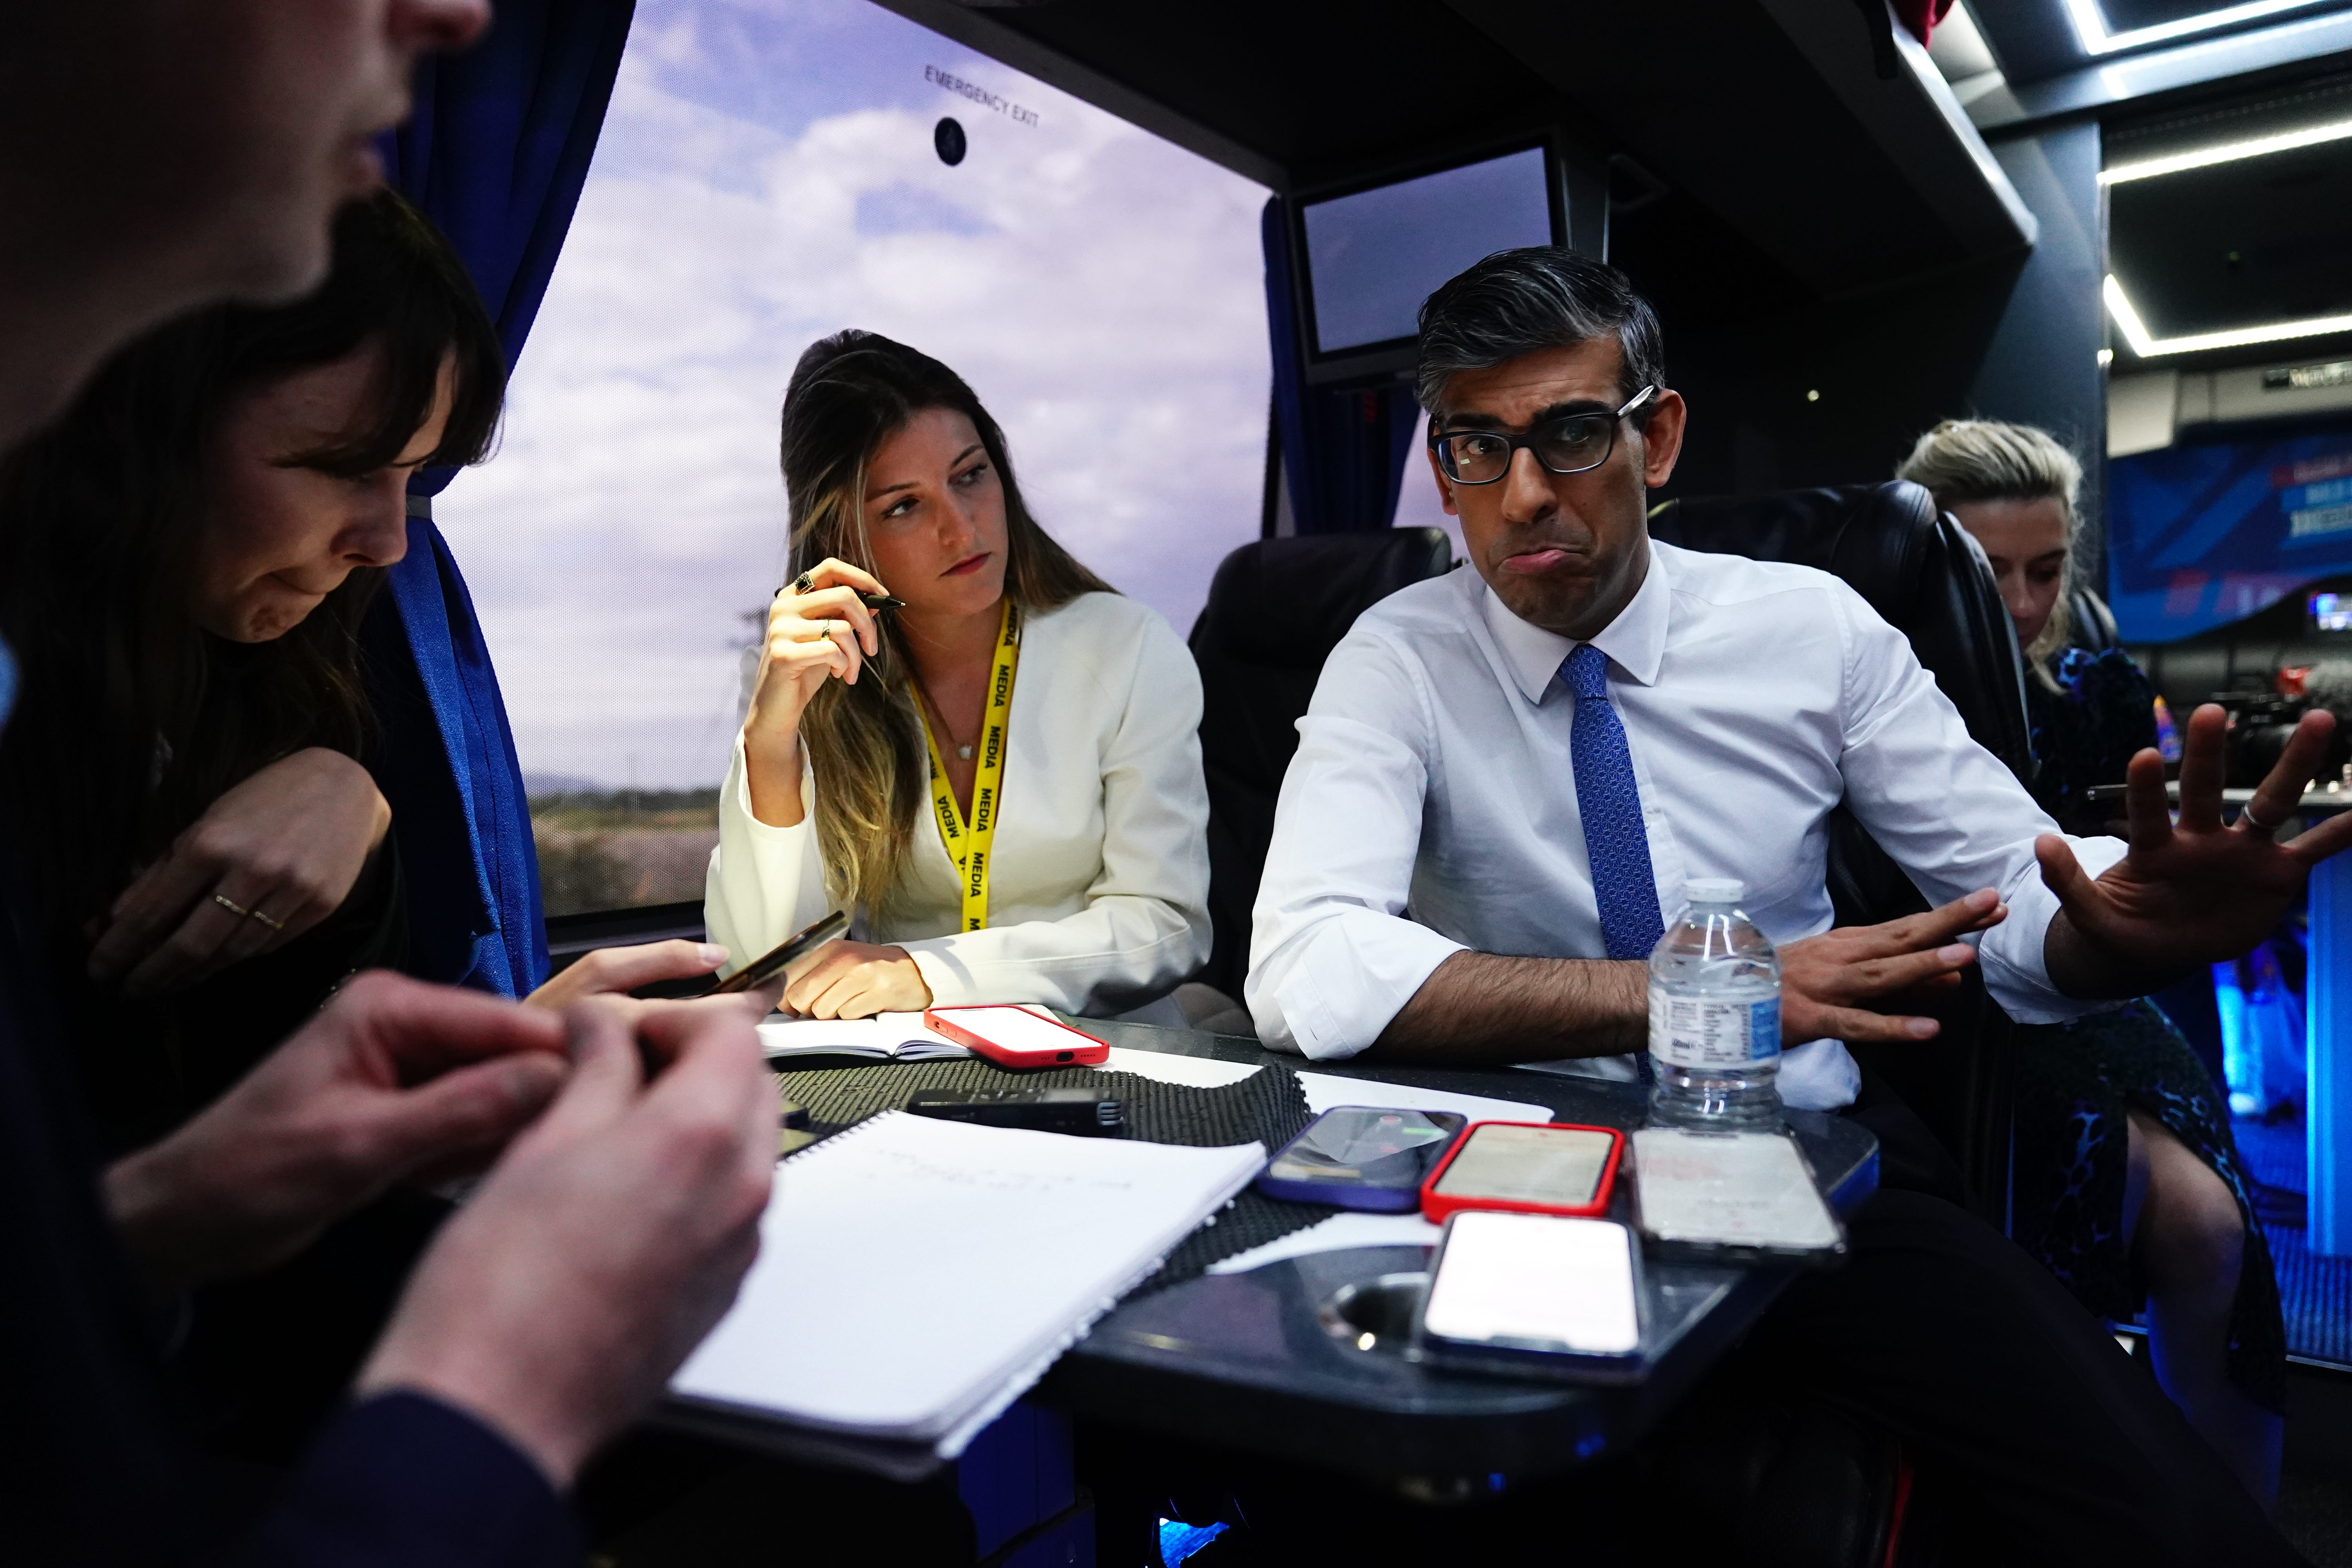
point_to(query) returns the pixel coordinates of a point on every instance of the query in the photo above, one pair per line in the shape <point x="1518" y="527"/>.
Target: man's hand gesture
<point x="2191" y="892"/>
<point x="1824" y="978"/>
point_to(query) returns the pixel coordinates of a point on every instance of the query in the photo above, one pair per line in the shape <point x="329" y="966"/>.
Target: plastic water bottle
<point x="1715" y="1014"/>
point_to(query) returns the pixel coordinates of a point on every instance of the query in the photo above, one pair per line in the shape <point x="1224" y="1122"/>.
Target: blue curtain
<point x="1343" y="452"/>
<point x="496" y="154"/>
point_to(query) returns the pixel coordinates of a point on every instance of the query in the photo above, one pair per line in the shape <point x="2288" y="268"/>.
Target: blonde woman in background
<point x="1011" y="679"/>
<point x="2128" y="1184"/>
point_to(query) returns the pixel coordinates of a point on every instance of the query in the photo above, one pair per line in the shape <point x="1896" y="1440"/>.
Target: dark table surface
<point x="1277" y="1360"/>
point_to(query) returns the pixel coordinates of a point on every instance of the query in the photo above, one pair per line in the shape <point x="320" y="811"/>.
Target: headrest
<point x="1877" y="537"/>
<point x="2092" y="625"/>
<point x="1287" y="602"/>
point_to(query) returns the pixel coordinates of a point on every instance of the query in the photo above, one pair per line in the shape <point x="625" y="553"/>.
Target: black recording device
<point x="1081" y="1112"/>
<point x="2261" y="724"/>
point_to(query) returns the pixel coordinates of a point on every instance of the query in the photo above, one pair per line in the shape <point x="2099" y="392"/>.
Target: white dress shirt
<point x="1098" y="883"/>
<point x="1432" y="806"/>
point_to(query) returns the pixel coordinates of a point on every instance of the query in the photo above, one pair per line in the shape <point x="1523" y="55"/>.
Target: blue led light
<point x="1179" y="1540"/>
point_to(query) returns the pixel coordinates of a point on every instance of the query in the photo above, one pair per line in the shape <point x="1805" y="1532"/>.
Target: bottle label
<point x="1710" y="1034"/>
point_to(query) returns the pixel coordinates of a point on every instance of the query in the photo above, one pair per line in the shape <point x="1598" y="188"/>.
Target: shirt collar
<point x="1636" y="642"/>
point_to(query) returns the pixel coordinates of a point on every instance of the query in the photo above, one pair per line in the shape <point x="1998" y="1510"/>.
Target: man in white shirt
<point x="1507" y="775"/>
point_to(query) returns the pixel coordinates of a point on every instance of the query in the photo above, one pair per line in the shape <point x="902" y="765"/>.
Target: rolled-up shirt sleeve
<point x="1333" y="956"/>
<point x="1949" y="813"/>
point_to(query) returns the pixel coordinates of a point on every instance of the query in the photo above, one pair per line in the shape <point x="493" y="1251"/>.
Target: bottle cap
<point x="1714" y="889"/>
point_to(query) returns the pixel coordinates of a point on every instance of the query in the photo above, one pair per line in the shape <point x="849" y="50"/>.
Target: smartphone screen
<point x="1750" y="1189"/>
<point x="1561" y="1167"/>
<point x="1355" y="1145"/>
<point x="1535" y="1281"/>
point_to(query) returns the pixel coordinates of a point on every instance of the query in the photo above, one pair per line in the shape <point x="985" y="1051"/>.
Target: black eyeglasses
<point x="1568" y="445"/>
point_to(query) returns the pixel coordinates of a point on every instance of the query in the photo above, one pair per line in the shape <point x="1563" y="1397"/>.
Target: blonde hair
<point x="1988" y="460"/>
<point x="849" y="392"/>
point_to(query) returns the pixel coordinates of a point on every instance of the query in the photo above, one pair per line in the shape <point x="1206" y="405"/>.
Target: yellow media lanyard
<point x="967" y="842"/>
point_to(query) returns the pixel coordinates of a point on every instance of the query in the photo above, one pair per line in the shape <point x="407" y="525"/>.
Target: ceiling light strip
<point x="2091" y="24"/>
<point x="2147" y="346"/>
<point x="2228" y="152"/>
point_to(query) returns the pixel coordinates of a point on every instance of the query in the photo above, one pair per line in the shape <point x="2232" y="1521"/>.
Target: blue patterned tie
<point x="1615" y="841"/>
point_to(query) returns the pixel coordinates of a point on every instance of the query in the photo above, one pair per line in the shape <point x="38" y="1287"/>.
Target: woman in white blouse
<point x="1008" y="672"/>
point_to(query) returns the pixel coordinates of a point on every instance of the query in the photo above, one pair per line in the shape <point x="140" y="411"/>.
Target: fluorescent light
<point x="2127" y="318"/>
<point x="2148" y="347"/>
<point x="2106" y="358"/>
<point x="2228" y="151"/>
<point x="2091" y="24"/>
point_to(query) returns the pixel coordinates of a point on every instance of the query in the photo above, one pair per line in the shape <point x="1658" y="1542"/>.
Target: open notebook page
<point x="911" y="1271"/>
<point x="900" y="1037"/>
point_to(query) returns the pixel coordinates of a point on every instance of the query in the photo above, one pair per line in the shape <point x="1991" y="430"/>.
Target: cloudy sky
<point x="767" y="176"/>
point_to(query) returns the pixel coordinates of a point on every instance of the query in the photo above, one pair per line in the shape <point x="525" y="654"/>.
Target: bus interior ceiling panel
<point x="2047" y="73"/>
<point x="1782" y="125"/>
<point x="1317" y="92"/>
<point x="2031" y="39"/>
<point x="2283" y="226"/>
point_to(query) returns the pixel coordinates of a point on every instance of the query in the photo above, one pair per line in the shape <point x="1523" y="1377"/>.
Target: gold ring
<point x="233" y="907"/>
<point x="805" y="583"/>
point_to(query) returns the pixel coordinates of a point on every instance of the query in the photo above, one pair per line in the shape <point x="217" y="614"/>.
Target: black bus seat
<point x="2089" y="625"/>
<point x="1923" y="572"/>
<point x="1277" y="609"/>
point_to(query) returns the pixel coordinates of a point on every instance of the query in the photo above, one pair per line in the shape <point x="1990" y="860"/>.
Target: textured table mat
<point x="1268" y="1107"/>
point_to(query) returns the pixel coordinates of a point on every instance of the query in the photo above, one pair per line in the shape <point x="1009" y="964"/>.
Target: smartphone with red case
<point x="1013" y="1035"/>
<point x="1526" y="1167"/>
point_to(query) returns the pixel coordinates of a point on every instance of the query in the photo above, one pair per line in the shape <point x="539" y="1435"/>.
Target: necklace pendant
<point x="964" y="752"/>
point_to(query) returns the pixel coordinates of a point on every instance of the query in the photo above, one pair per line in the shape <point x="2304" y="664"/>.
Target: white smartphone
<point x="1741" y="1194"/>
<point x="1535" y="1293"/>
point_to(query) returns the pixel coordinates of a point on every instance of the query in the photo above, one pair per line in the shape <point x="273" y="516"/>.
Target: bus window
<point x="768" y="174"/>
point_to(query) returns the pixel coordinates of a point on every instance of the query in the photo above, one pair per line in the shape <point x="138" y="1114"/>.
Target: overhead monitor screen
<point x="2199" y="535"/>
<point x="1373" y="257"/>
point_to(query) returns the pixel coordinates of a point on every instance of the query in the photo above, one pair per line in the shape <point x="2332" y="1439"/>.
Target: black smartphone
<point x="773" y="962"/>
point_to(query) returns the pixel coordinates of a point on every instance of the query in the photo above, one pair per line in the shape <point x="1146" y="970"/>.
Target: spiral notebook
<point x="917" y="1276"/>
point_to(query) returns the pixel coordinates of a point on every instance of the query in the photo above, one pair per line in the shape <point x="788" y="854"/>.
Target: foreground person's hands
<point x="287" y="844"/>
<point x="1823" y="977"/>
<point x="2191" y="893"/>
<point x="605" y="1243"/>
<point x="393" y="1078"/>
<point x="856" y="980"/>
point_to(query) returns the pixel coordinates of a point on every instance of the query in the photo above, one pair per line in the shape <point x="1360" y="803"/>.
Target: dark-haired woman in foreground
<point x="188" y="556"/>
<point x="184" y="561"/>
<point x="1012" y="677"/>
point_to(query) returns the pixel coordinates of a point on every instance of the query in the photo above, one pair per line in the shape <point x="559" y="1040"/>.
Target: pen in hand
<point x="806" y="583"/>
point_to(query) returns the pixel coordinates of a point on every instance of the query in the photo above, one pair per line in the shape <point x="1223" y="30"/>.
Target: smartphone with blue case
<point x="1362" y="1157"/>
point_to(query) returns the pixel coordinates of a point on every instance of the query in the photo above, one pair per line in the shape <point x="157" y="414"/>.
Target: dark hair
<point x="132" y="720"/>
<point x="848" y="393"/>
<point x="1538" y="297"/>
